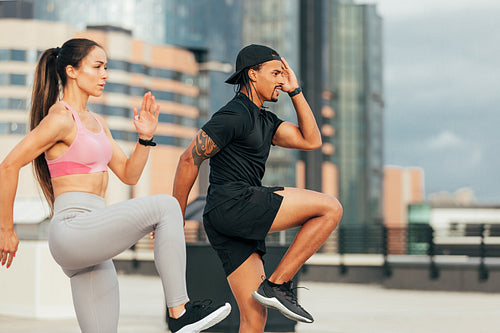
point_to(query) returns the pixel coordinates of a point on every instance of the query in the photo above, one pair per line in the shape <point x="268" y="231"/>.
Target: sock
<point x="273" y="284"/>
<point x="182" y="314"/>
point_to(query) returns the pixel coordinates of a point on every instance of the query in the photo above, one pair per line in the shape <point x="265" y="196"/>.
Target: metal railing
<point x="481" y="241"/>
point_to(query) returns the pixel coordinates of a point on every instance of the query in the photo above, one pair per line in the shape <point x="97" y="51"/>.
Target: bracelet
<point x="147" y="142"/>
<point x="295" y="92"/>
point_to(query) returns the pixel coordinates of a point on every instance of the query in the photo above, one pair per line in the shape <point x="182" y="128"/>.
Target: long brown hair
<point x="50" y="79"/>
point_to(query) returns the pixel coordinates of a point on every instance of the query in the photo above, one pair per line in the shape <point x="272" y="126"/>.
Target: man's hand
<point x="289" y="77"/>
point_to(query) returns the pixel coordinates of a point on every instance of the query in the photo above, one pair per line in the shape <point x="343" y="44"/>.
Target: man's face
<point x="268" y="80"/>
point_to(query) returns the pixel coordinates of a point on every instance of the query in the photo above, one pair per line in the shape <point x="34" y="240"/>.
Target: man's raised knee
<point x="335" y="211"/>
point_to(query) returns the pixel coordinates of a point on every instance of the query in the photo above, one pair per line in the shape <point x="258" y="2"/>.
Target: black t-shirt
<point x="244" y="133"/>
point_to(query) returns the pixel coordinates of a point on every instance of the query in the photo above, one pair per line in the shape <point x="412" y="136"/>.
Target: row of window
<point x="130" y="67"/>
<point x="13" y="55"/>
<point x="12" y="104"/>
<point x="119" y="111"/>
<point x="162" y="73"/>
<point x="22" y="129"/>
<point x="107" y="110"/>
<point x="7" y="79"/>
<point x="125" y="89"/>
<point x="13" y="128"/>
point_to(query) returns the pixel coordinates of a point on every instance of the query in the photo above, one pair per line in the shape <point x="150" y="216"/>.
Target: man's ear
<point x="70" y="72"/>
<point x="252" y="75"/>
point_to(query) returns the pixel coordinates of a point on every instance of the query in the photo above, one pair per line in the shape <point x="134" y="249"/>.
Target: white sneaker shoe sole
<point x="272" y="302"/>
<point x="209" y="321"/>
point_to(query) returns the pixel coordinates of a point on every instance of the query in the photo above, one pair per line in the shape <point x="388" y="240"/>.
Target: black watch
<point x="295" y="92"/>
<point x="147" y="142"/>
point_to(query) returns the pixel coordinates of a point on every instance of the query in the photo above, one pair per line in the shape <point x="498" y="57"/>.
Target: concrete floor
<point x="337" y="308"/>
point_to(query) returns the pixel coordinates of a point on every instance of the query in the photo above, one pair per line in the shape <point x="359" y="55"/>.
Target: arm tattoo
<point x="204" y="148"/>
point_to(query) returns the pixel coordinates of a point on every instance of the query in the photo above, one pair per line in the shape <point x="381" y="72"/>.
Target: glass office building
<point x="356" y="91"/>
<point x="274" y="23"/>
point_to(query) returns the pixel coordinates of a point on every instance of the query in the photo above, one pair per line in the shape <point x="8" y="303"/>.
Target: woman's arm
<point x="56" y="126"/>
<point x="129" y="170"/>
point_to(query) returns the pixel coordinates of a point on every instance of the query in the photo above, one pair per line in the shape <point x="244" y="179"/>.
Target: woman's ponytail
<point x="45" y="93"/>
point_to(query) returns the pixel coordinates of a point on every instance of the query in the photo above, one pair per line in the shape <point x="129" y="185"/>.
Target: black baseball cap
<point x="252" y="55"/>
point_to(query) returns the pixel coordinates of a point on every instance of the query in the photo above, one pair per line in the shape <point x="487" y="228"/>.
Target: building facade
<point x="134" y="67"/>
<point x="274" y="23"/>
<point x="402" y="187"/>
<point x="341" y="61"/>
<point x="355" y="93"/>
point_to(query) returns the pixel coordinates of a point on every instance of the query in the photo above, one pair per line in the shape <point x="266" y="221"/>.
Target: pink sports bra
<point x="89" y="152"/>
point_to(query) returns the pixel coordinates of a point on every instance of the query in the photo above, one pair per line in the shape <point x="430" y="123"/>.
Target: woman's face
<point x="92" y="73"/>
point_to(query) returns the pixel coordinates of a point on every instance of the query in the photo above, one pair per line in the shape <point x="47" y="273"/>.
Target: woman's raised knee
<point x="167" y="202"/>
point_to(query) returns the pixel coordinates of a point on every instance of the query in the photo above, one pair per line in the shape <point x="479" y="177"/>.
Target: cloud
<point x="441" y="91"/>
<point x="444" y="140"/>
<point x="401" y="10"/>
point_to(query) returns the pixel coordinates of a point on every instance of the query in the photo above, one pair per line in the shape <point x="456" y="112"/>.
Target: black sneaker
<point x="198" y="316"/>
<point x="283" y="299"/>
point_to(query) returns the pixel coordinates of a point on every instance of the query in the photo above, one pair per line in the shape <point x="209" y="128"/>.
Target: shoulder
<point x="272" y="116"/>
<point x="60" y="117"/>
<point x="232" y="112"/>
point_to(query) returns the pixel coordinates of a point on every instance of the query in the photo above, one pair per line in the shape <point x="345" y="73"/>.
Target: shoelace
<point x="206" y="303"/>
<point x="289" y="292"/>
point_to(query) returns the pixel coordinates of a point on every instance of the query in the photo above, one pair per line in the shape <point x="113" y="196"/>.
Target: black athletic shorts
<point x="238" y="227"/>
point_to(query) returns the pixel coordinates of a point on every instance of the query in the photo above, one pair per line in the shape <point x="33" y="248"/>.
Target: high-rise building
<point x="355" y="95"/>
<point x="341" y="63"/>
<point x="274" y="23"/>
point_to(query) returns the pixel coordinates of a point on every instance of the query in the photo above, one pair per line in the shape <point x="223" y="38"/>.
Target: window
<point x="17" y="104"/>
<point x="18" y="55"/>
<point x="4" y="79"/>
<point x="18" y="79"/>
<point x="4" y="55"/>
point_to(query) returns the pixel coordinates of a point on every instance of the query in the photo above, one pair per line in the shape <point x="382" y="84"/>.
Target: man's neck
<point x="252" y="96"/>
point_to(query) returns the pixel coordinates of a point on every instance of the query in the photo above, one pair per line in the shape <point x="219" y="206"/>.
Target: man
<point x="240" y="212"/>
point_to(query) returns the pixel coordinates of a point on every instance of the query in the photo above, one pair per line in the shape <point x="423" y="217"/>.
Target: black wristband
<point x="295" y="92"/>
<point x="147" y="142"/>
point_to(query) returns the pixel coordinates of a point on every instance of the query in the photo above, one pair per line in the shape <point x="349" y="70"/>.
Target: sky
<point x="442" y="92"/>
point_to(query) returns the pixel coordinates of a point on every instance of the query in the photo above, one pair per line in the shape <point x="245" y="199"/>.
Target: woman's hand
<point x="8" y="246"/>
<point x="146" y="120"/>
<point x="289" y="77"/>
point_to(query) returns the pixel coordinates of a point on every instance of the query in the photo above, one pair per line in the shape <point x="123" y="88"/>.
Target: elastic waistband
<point x="77" y="201"/>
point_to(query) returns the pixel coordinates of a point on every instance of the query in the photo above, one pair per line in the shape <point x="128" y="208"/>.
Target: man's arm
<point x="201" y="148"/>
<point x="305" y="136"/>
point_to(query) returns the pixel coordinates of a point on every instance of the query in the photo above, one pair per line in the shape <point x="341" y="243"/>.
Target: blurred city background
<point x="402" y="148"/>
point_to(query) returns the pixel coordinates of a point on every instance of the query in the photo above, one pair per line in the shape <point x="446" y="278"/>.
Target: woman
<point x="71" y="149"/>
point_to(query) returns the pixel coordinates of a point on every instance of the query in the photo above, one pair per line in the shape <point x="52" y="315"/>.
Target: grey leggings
<point x="84" y="235"/>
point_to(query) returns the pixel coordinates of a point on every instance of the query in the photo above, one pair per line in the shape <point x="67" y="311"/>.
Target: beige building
<point x="402" y="186"/>
<point x="135" y="67"/>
